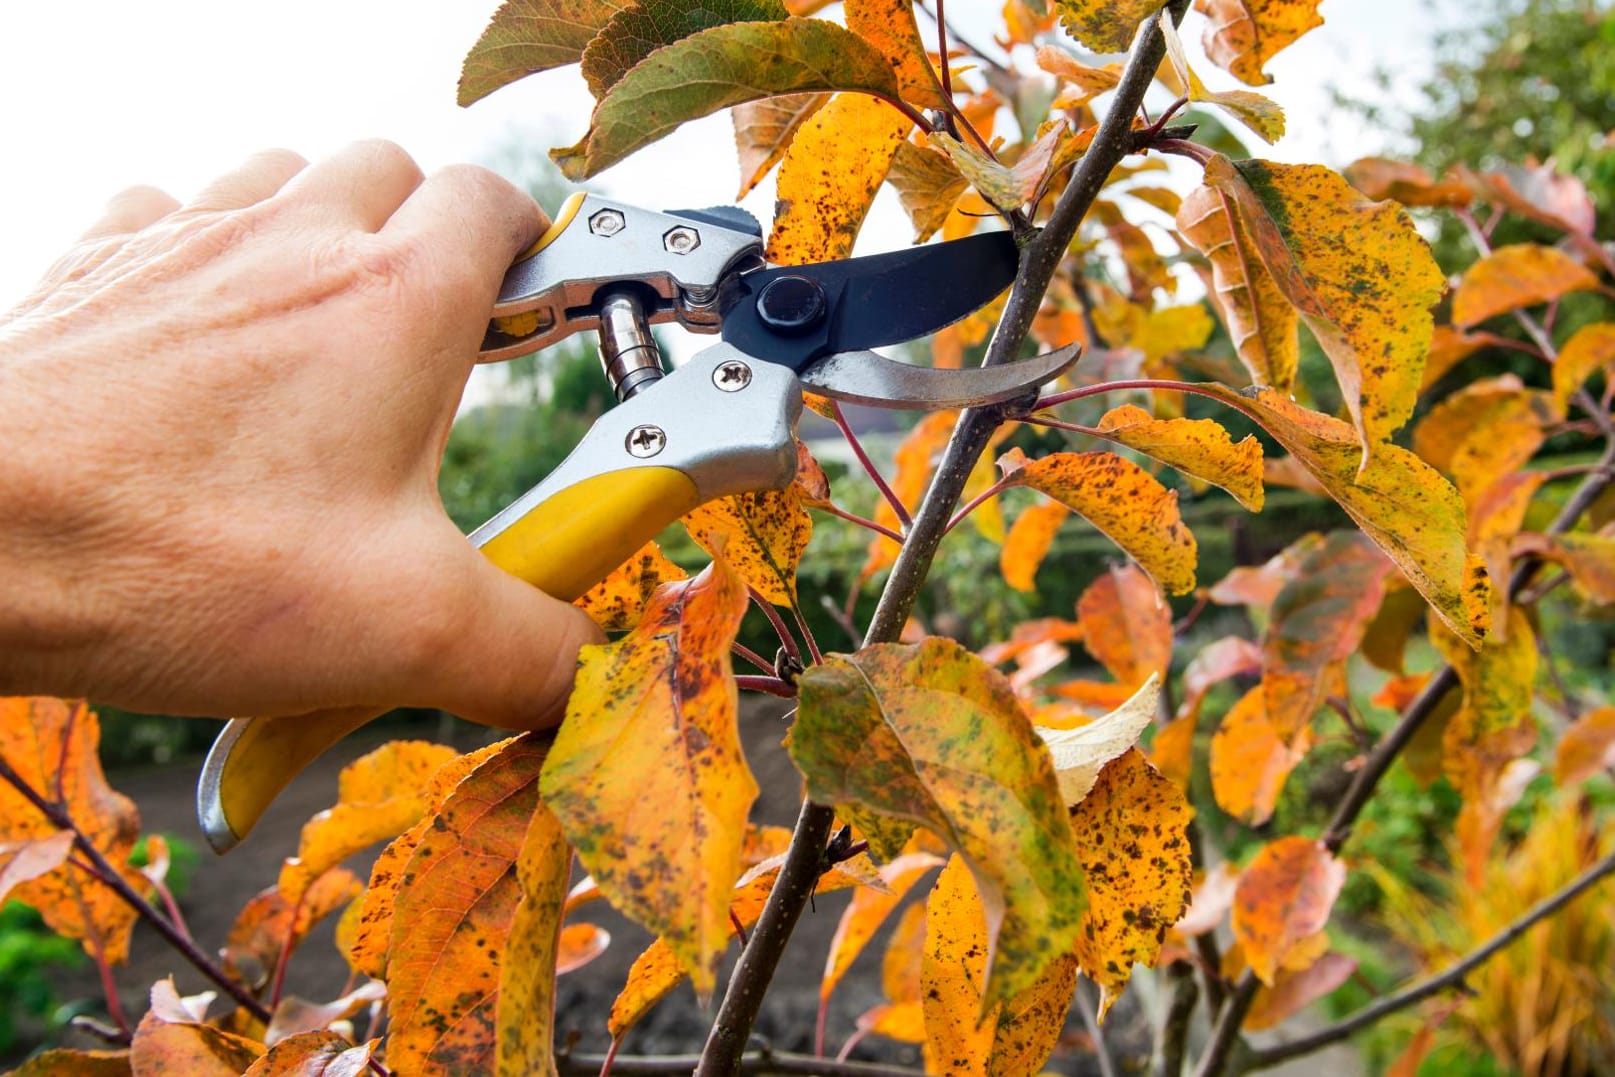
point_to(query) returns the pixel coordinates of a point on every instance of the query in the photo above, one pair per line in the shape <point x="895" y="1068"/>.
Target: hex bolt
<point x="731" y="377"/>
<point x="607" y="223"/>
<point x="646" y="441"/>
<point x="681" y="240"/>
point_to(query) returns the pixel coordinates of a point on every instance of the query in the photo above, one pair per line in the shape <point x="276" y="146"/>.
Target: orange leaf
<point x="1132" y="836"/>
<point x="865" y="914"/>
<point x="525" y="1013"/>
<point x="1483" y="432"/>
<point x="763" y="132"/>
<point x="1590" y="559"/>
<point x="1292" y="992"/>
<point x="1400" y="502"/>
<point x="1590" y="350"/>
<point x="618" y="602"/>
<point x="930" y="734"/>
<point x="373" y="929"/>
<point x="1380" y="178"/>
<point x="914" y="459"/>
<point x="966" y="1033"/>
<point x="1263" y="116"/>
<point x="1127" y="626"/>
<point x="1492" y="729"/>
<point x="21" y="861"/>
<point x="1316" y="623"/>
<point x="1197" y="447"/>
<point x="1218" y="661"/>
<point x="379" y="795"/>
<point x="901" y="971"/>
<point x="1283" y="900"/>
<point x="811" y="484"/>
<point x="889" y="26"/>
<point x="829" y="177"/>
<point x="1586" y="747"/>
<point x="1213" y="897"/>
<point x="1028" y="543"/>
<point x="270" y="926"/>
<point x="172" y="1040"/>
<point x="1172" y="750"/>
<point x="1521" y="275"/>
<point x="762" y="535"/>
<point x="314" y="1054"/>
<point x="1251" y="758"/>
<point x="1258" y="585"/>
<point x="51" y="744"/>
<point x="62" y="1062"/>
<point x="1146" y="268"/>
<point x="928" y="184"/>
<point x="1448" y="348"/>
<point x="1127" y="504"/>
<point x="454" y="913"/>
<point x="1242" y="35"/>
<point x="1092" y="81"/>
<point x="647" y="775"/>
<point x="294" y="1017"/>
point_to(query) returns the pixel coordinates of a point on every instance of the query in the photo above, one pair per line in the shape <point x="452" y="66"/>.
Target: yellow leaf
<point x="1357" y="271"/>
<point x="866" y="912"/>
<point x="1081" y="752"/>
<point x="1590" y="350"/>
<point x="526" y="36"/>
<point x="1260" y="320"/>
<point x="928" y="184"/>
<point x="1005" y="187"/>
<point x="1251" y="758"/>
<point x="314" y="1054"/>
<point x="932" y="735"/>
<point x="1242" y="35"/>
<point x="647" y="775"/>
<point x="1103" y="25"/>
<point x="1172" y="331"/>
<point x="453" y="915"/>
<point x="1132" y="835"/>
<point x="380" y="795"/>
<point x="1283" y="900"/>
<point x="525" y="1013"/>
<point x="1028" y="543"/>
<point x="1586" y="747"/>
<point x="171" y="1040"/>
<point x="1590" y="559"/>
<point x="836" y="163"/>
<point x="1198" y="447"/>
<point x="61" y="1062"/>
<point x="51" y="744"/>
<point x="1127" y="504"/>
<point x="763" y="132"/>
<point x="762" y="535"/>
<point x="1448" y="348"/>
<point x="371" y="926"/>
<point x="1522" y="275"/>
<point x="1260" y="114"/>
<point x="1400" y="502"/>
<point x="618" y="602"/>
<point x="1091" y="81"/>
<point x="1484" y="432"/>
<point x="1492" y="729"/>
<point x="889" y="26"/>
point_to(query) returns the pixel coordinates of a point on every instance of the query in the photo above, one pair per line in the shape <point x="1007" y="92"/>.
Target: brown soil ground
<point x="220" y="887"/>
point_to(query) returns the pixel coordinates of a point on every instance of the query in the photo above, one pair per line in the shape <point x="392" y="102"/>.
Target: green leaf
<point x="636" y="32"/>
<point x="929" y="185"/>
<point x="931" y="735"/>
<point x="717" y="68"/>
<point x="526" y="36"/>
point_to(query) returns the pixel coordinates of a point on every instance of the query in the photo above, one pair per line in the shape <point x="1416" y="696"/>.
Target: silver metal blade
<point x="865" y="377"/>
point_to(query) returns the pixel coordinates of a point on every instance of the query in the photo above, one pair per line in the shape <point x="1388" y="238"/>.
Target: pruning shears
<point x="723" y="423"/>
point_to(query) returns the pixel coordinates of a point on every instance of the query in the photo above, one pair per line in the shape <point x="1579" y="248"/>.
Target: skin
<point x="223" y="427"/>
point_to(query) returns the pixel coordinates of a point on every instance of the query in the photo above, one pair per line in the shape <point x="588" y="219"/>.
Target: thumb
<point x="514" y="664"/>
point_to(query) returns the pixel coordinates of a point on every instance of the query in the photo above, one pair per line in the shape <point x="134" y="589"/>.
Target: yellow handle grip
<point x="564" y="545"/>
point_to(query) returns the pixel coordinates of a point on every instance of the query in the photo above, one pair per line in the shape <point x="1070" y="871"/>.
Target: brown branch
<point x="1451" y="978"/>
<point x="738" y="1012"/>
<point x="1225" y="1035"/>
<point x="113" y="879"/>
<point x="1087" y="1007"/>
<point x="1174" y="1036"/>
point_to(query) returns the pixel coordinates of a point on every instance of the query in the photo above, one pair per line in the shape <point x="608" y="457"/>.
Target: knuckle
<point x="386" y="156"/>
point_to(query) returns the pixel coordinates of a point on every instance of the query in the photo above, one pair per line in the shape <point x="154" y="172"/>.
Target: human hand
<point x="223" y="426"/>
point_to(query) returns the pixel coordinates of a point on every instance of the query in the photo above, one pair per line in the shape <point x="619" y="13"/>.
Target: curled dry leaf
<point x="1122" y="500"/>
<point x="171" y="1039"/>
<point x="1283" y="901"/>
<point x="932" y="735"/>
<point x="1080" y="753"/>
<point x="1260" y="114"/>
<point x="30" y="858"/>
<point x="314" y="1054"/>
<point x="928" y="184"/>
<point x="647" y="774"/>
<point x="295" y="1017"/>
<point x="1132" y="836"/>
<point x="830" y="175"/>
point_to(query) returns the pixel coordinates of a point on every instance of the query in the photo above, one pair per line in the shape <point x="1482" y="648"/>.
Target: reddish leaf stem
<point x="751" y="1062"/>
<point x="110" y="988"/>
<point x="807" y="633"/>
<point x="771" y="685"/>
<point x="109" y="875"/>
<point x="1056" y="399"/>
<point x="897" y="506"/>
<point x="781" y="629"/>
<point x="853" y="518"/>
<point x="976" y="502"/>
<point x="753" y="657"/>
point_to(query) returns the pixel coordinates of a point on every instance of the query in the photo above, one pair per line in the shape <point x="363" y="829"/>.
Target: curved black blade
<point x="876" y="300"/>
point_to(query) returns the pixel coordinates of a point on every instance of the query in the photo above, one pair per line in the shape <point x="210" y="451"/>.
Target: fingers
<point x="474" y="219"/>
<point x="130" y="211"/>
<point x="260" y="177"/>
<point x="363" y="185"/>
<point x="513" y="665"/>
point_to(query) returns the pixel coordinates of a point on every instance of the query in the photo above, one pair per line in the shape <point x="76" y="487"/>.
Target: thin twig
<point x="1452" y="977"/>
<point x="110" y="877"/>
<point x="861" y="521"/>
<point x="807" y="633"/>
<point x="781" y="629"/>
<point x="1225" y="1034"/>
<point x="745" y="652"/>
<point x="752" y="1062"/>
<point x="1174" y="1036"/>
<point x="896" y="503"/>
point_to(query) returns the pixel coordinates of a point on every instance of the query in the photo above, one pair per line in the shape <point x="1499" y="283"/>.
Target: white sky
<point x="96" y="95"/>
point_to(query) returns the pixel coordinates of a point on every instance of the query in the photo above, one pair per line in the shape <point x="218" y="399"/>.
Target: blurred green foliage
<point x="29" y="954"/>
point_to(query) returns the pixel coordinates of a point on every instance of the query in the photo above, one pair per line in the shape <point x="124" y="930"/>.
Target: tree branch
<point x="1431" y="985"/>
<point x="1225" y="1035"/>
<point x="1174" y="1036"/>
<point x="743" y="998"/>
<point x="752" y="1062"/>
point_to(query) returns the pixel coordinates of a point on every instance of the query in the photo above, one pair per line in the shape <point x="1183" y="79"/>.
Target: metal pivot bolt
<point x="731" y="377"/>
<point x="646" y="441"/>
<point x="607" y="223"/>
<point x="681" y="240"/>
<point x="627" y="350"/>
<point x="791" y="305"/>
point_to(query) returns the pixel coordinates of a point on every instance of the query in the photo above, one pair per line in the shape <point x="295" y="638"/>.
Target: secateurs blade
<point x="722" y="423"/>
